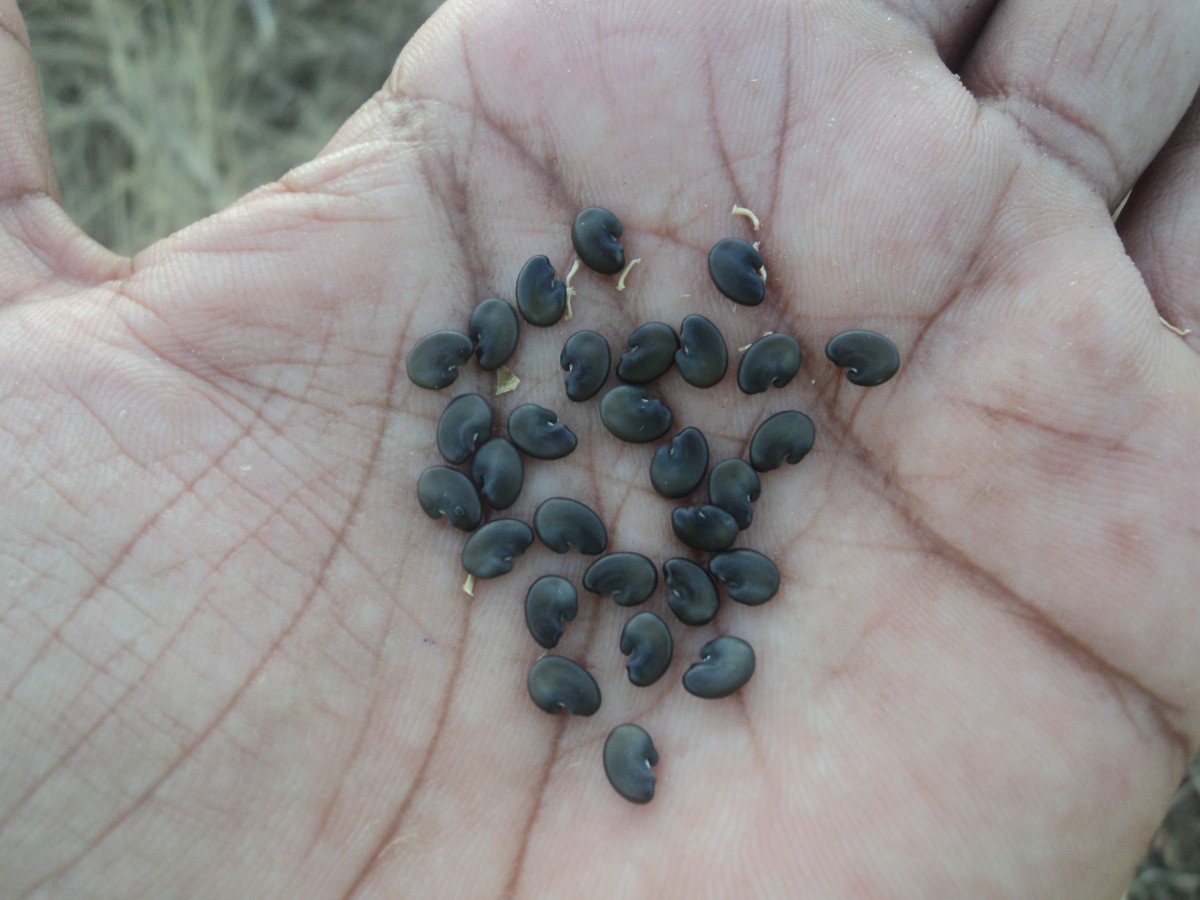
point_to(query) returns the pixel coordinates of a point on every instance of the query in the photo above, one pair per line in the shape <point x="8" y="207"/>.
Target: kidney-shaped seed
<point x="494" y="328"/>
<point x="594" y="235"/>
<point x="629" y="578"/>
<point x="748" y="576"/>
<point x="498" y="472"/>
<point x="556" y="683"/>
<point x="702" y="357"/>
<point x="774" y="359"/>
<point x="541" y="297"/>
<point x="692" y="595"/>
<point x="646" y="640"/>
<point x="786" y="435"/>
<point x="871" y="358"/>
<point x="585" y="358"/>
<point x="550" y="603"/>
<point x="536" y="431"/>
<point x="726" y="663"/>
<point x="434" y="361"/>
<point x="704" y="527"/>
<point x="733" y="485"/>
<point x="630" y="413"/>
<point x="628" y="755"/>
<point x="652" y="349"/>
<point x="735" y="268"/>
<point x="678" y="468"/>
<point x="562" y="523"/>
<point x="443" y="491"/>
<point x="466" y="421"/>
<point x="490" y="550"/>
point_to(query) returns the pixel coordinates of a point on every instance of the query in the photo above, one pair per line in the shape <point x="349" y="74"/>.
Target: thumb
<point x="26" y="171"/>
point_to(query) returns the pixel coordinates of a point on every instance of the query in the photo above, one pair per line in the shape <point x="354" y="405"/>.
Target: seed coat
<point x="466" y="421"/>
<point x="498" y="472"/>
<point x="871" y="358"/>
<point x="629" y="578"/>
<point x="443" y="491"/>
<point x="735" y="268"/>
<point x="733" y="485"/>
<point x="646" y="640"/>
<point x="556" y="683"/>
<point x="692" y="593"/>
<point x="537" y="432"/>
<point x="562" y="523"/>
<point x="433" y="363"/>
<point x="726" y="664"/>
<point x="585" y="358"/>
<point x="786" y="435"/>
<point x="774" y="359"/>
<point x="494" y="329"/>
<point x="678" y="468"/>
<point x="541" y="297"/>
<point x="704" y="527"/>
<point x="702" y="358"/>
<point x="594" y="235"/>
<point x="628" y="755"/>
<point x="748" y="576"/>
<point x="651" y="352"/>
<point x="490" y="551"/>
<point x="630" y="413"/>
<point x="550" y="602"/>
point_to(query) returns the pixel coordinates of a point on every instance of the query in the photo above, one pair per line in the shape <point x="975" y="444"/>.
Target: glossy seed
<point x="541" y="297"/>
<point x="443" y="491"/>
<point x="726" y="663"/>
<point x="594" y="235"/>
<point x="786" y="435"/>
<point x="630" y="413"/>
<point x="628" y="755"/>
<point x="629" y="578"/>
<point x="704" y="527"/>
<point x="434" y="361"/>
<point x="735" y="268"/>
<point x="536" y="431"/>
<point x="733" y="485"/>
<point x="871" y="358"/>
<point x="692" y="595"/>
<point x="551" y="602"/>
<point x="702" y="357"/>
<point x="563" y="523"/>
<point x="490" y="550"/>
<point x="748" y="576"/>
<point x="465" y="423"/>
<point x="498" y="472"/>
<point x="678" y="468"/>
<point x="585" y="358"/>
<point x="774" y="359"/>
<point x="646" y="640"/>
<point x="556" y="683"/>
<point x="494" y="329"/>
<point x="651" y="352"/>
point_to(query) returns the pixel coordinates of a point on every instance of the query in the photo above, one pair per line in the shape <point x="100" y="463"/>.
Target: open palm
<point x="237" y="659"/>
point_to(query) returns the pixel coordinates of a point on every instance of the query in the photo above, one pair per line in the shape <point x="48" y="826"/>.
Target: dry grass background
<point x="164" y="111"/>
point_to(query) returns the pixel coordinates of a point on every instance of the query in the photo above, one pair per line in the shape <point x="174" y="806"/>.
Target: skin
<point x="236" y="659"/>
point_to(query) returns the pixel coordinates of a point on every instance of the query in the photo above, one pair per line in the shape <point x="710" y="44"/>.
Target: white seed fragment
<point x="742" y="211"/>
<point x="625" y="271"/>
<point x="506" y="380"/>
<point x="570" y="290"/>
<point x="468" y="586"/>
<point x="1182" y="332"/>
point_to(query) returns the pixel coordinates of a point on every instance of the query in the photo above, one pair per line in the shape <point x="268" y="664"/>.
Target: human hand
<point x="237" y="661"/>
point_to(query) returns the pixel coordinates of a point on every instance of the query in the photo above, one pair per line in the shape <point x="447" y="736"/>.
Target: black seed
<point x="556" y="683"/>
<point x="678" y="468"/>
<point x="465" y="423"/>
<point x="733" y="485"/>
<point x="774" y="359"/>
<point x="704" y="527"/>
<point x="585" y="359"/>
<point x="733" y="265"/>
<point x="748" y="576"/>
<point x="550" y="603"/>
<point x="562" y="523"/>
<point x="786" y="435"/>
<point x="443" y="491"/>
<point x="702" y="357"/>
<point x="629" y="578"/>
<point x="631" y="414"/>
<point x="594" y="235"/>
<point x="726" y="663"/>
<point x="434" y="361"/>
<point x="871" y="358"/>
<point x="652" y="349"/>
<point x="536" y="431"/>
<point x="628" y="755"/>
<point x="494" y="328"/>
<point x="541" y="297"/>
<point x="693" y="595"/>
<point x="498" y="472"/>
<point x="646" y="640"/>
<point x="490" y="550"/>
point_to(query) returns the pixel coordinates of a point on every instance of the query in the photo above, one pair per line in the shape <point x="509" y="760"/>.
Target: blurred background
<point x="164" y="111"/>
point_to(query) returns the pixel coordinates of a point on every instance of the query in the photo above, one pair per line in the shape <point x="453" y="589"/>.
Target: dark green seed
<point x="465" y="423"/>
<point x="498" y="472"/>
<point x="556" y="683"/>
<point x="434" y="361"/>
<point x="692" y="594"/>
<point x="631" y="414"/>
<point x="871" y="358"/>
<point x="585" y="358"/>
<point x="678" y="468"/>
<point x="629" y="578"/>
<point x="537" y="432"/>
<point x="541" y="297"/>
<point x="733" y="265"/>
<point x="733" y="485"/>
<point x="652" y="349"/>
<point x="628" y="755"/>
<point x="704" y="527"/>
<point x="774" y="359"/>
<point x="443" y="491"/>
<point x="490" y="550"/>
<point x="646" y="640"/>
<point x="786" y="435"/>
<point x="702" y="357"/>
<point x="562" y="523"/>
<point x="726" y="664"/>
<point x="550" y="602"/>
<point x="748" y="576"/>
<point x="494" y="329"/>
<point x="594" y="236"/>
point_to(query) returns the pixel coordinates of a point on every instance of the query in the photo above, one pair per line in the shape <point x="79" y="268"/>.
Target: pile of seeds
<point x="493" y="470"/>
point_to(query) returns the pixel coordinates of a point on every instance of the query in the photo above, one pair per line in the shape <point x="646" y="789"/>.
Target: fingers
<point x="1099" y="84"/>
<point x="1160" y="225"/>
<point x="25" y="166"/>
<point x="951" y="24"/>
